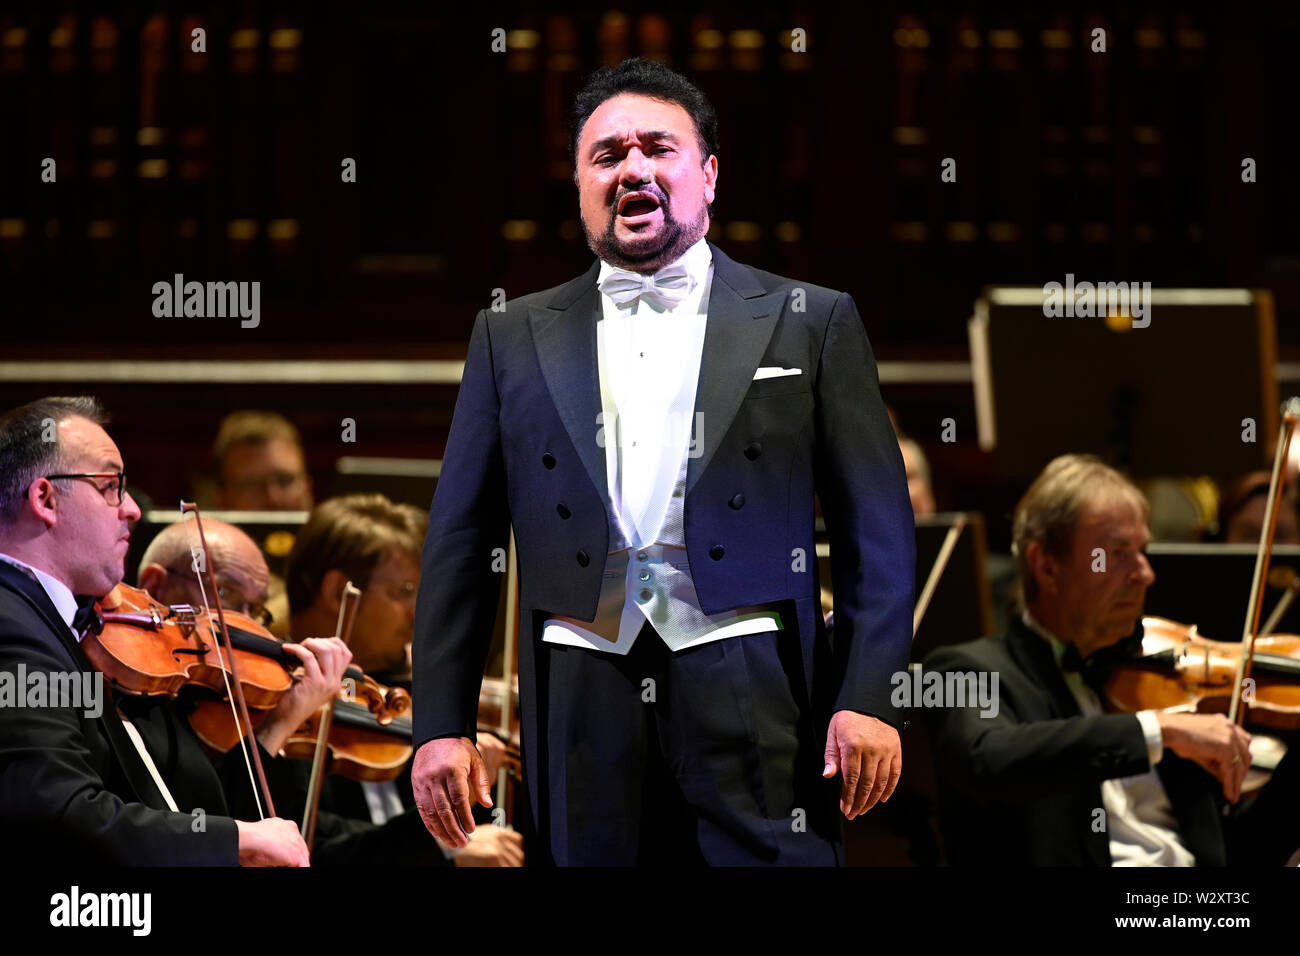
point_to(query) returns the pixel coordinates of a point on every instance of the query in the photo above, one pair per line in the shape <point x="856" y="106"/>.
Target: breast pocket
<point x="782" y="385"/>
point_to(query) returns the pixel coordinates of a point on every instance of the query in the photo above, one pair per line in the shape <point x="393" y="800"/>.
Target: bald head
<point x="166" y="570"/>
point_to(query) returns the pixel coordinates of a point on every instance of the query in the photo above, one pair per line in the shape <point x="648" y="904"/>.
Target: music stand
<point x="1164" y="399"/>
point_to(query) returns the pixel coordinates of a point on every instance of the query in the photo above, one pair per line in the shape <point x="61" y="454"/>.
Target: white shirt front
<point x="1140" y="819"/>
<point x="649" y="361"/>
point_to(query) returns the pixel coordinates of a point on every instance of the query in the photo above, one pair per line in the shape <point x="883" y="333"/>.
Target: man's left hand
<point x="869" y="754"/>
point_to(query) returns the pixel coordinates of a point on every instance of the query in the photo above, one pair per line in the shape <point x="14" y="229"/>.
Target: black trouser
<point x="708" y="755"/>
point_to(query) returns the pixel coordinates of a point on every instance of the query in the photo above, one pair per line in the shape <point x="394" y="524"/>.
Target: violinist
<point x="75" y="784"/>
<point x="1045" y="777"/>
<point x="376" y="543"/>
<point x="242" y="577"/>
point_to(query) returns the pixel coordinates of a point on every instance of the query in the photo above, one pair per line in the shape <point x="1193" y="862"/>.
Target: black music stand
<point x="1167" y="399"/>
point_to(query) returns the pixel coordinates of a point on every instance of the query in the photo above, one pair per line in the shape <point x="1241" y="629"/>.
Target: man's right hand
<point x="1214" y="742"/>
<point x="441" y="779"/>
<point x="271" y="842"/>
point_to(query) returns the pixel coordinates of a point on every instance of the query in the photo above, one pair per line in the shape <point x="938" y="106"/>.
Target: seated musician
<point x="1045" y="776"/>
<point x="375" y="544"/>
<point x="77" y="781"/>
<point x="260" y="464"/>
<point x="1241" y="511"/>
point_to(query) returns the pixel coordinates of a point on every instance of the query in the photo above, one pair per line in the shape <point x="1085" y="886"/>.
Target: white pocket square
<point x="775" y="371"/>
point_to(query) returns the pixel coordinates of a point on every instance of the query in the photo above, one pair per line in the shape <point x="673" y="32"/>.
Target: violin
<point x="363" y="747"/>
<point x="147" y="648"/>
<point x="1178" y="668"/>
<point x="360" y="745"/>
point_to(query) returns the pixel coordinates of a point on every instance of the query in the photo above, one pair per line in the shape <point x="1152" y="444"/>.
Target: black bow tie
<point x="86" y="618"/>
<point x="1094" y="670"/>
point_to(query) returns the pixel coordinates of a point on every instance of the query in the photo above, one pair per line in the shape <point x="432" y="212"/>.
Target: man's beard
<point x="648" y="255"/>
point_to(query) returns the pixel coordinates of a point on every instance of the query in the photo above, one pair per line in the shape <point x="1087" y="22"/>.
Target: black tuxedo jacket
<point x="74" y="787"/>
<point x="1021" y="788"/>
<point x="523" y="450"/>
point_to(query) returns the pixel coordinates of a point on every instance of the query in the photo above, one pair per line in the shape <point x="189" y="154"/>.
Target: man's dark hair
<point x="646" y="78"/>
<point x="27" y="451"/>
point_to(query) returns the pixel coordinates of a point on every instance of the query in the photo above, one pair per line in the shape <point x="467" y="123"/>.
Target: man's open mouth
<point x="634" y="205"/>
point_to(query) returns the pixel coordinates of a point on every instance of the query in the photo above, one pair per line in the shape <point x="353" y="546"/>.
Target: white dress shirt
<point x="649" y="361"/>
<point x="1140" y="819"/>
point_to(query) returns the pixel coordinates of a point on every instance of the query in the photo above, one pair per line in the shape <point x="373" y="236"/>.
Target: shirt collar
<point x="65" y="602"/>
<point x="1055" y="643"/>
<point x="697" y="260"/>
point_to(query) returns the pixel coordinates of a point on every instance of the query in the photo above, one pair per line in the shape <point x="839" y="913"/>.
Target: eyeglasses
<point x="232" y="598"/>
<point x="113" y="494"/>
<point x="404" y="593"/>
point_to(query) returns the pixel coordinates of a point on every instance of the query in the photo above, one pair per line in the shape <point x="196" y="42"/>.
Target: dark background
<point x="1120" y="166"/>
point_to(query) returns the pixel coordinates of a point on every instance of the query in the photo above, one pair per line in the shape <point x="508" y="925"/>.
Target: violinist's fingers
<point x="512" y="848"/>
<point x="332" y="655"/>
<point x="310" y="667"/>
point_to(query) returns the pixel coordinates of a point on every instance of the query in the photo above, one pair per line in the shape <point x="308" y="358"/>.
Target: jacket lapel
<point x="124" y="751"/>
<point x="1034" y="655"/>
<point x="741" y="319"/>
<point x="564" y="334"/>
<point x="34" y="595"/>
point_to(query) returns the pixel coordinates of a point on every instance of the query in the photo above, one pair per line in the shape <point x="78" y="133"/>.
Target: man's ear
<point x="330" y="593"/>
<point x="153" y="578"/>
<point x="1043" y="567"/>
<point x="40" y="500"/>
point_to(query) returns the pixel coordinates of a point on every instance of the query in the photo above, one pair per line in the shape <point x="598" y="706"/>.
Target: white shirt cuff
<point x="1151" y="731"/>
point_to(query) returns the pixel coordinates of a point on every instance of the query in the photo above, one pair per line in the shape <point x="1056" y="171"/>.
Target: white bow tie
<point x="669" y="286"/>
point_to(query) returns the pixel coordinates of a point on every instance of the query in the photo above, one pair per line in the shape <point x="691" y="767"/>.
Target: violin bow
<point x="1290" y="414"/>
<point x="201" y="560"/>
<point x="509" y="667"/>
<point x="936" y="572"/>
<point x="348" y="605"/>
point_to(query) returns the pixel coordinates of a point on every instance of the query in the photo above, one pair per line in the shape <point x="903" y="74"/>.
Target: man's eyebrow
<point x="613" y="140"/>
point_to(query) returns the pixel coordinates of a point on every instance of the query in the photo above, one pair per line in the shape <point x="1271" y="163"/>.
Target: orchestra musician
<point x="680" y="701"/>
<point x="1047" y="777"/>
<point x="375" y="543"/>
<point x="76" y="784"/>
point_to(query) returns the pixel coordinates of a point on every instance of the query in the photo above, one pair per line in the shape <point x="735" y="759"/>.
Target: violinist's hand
<point x="317" y="681"/>
<point x="493" y="752"/>
<point x="271" y="842"/>
<point x="442" y="776"/>
<point x="869" y="754"/>
<point x="1214" y="742"/>
<point x="492" y="846"/>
